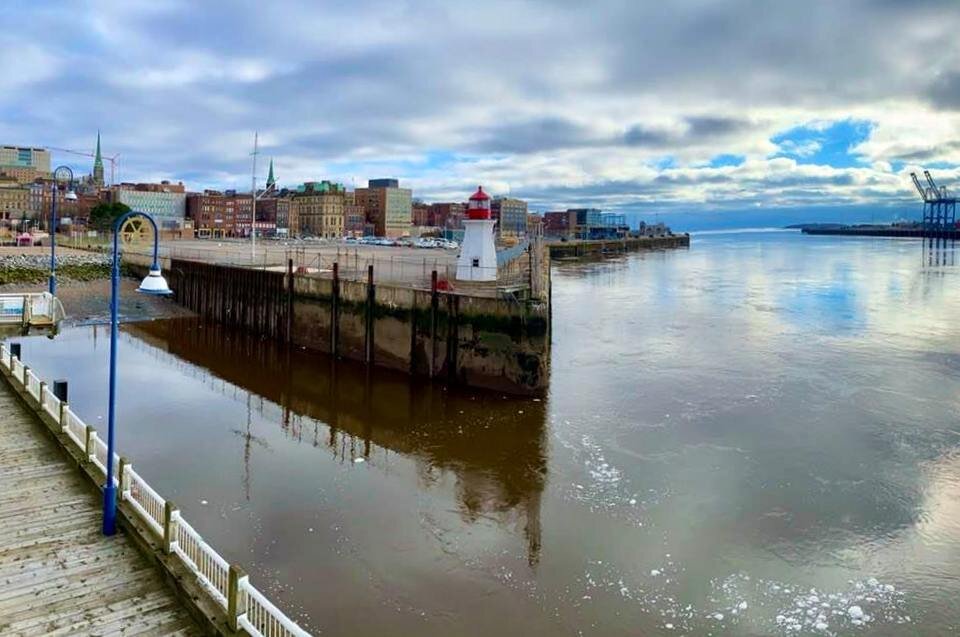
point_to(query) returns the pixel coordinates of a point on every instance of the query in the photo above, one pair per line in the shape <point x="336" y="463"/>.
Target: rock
<point x="855" y="612"/>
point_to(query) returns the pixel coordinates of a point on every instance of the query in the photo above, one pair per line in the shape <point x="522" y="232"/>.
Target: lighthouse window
<point x="476" y="263"/>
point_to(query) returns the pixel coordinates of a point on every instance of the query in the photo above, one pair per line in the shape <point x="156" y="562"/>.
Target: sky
<point x="737" y="112"/>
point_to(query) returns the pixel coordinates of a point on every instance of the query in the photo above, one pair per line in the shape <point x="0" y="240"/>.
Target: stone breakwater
<point x="35" y="268"/>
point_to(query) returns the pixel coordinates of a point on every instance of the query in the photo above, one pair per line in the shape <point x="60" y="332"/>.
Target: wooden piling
<point x="369" y="310"/>
<point x="335" y="310"/>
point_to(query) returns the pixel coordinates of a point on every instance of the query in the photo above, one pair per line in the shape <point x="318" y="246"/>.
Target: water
<point x="751" y="437"/>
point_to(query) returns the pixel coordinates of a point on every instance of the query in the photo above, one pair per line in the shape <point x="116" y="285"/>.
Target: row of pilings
<point x="257" y="300"/>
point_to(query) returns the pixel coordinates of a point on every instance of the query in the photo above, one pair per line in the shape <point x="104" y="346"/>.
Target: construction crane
<point x="939" y="209"/>
<point x="112" y="160"/>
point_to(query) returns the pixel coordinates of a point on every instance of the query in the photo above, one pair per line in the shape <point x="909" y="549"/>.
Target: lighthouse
<point x="478" y="254"/>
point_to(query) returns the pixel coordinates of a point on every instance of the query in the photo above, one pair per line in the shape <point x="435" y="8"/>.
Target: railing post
<point x="43" y="388"/>
<point x="168" y="521"/>
<point x="63" y="415"/>
<point x="234" y="608"/>
<point x="89" y="443"/>
<point x="122" y="478"/>
<point x="23" y="378"/>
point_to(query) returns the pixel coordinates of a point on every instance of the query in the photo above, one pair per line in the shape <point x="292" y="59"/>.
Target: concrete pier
<point x="583" y="247"/>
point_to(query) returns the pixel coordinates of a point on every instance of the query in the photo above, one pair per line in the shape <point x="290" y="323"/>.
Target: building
<point x="421" y="214"/>
<point x="273" y="214"/>
<point x="15" y="200"/>
<point x="165" y="202"/>
<point x="24" y="164"/>
<point x="388" y="206"/>
<point x="511" y="216"/>
<point x="98" y="166"/>
<point x="559" y="224"/>
<point x="534" y="224"/>
<point x="354" y="217"/>
<point x="319" y="207"/>
<point x="219" y="214"/>
<point x="448" y="216"/>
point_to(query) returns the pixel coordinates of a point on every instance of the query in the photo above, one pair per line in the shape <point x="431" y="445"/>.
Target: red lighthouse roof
<point x="479" y="195"/>
<point x="479" y="205"/>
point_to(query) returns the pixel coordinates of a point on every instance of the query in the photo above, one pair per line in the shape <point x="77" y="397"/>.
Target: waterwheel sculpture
<point x="136" y="230"/>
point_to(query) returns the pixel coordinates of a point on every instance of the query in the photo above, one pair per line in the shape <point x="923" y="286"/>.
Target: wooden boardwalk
<point x="58" y="574"/>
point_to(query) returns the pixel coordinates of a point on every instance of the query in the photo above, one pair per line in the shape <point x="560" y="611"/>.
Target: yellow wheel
<point x="136" y="230"/>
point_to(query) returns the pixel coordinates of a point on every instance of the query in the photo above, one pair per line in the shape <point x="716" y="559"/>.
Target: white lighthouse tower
<point x="478" y="253"/>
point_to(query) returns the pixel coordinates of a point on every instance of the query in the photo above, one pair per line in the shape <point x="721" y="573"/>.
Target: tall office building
<point x="23" y="163"/>
<point x="389" y="208"/>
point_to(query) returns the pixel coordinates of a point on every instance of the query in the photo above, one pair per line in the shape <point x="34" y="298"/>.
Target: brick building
<point x="220" y="214"/>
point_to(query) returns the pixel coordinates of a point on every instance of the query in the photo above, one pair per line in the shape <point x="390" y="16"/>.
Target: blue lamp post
<point x="155" y="284"/>
<point x="62" y="177"/>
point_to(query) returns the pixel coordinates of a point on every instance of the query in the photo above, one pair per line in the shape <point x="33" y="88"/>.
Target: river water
<point x="755" y="436"/>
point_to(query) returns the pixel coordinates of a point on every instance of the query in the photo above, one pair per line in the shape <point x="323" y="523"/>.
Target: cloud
<point x="621" y="104"/>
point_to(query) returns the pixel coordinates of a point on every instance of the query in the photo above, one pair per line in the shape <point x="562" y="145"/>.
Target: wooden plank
<point x="58" y="574"/>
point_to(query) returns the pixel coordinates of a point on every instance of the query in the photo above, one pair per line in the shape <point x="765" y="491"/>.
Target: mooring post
<point x="434" y="303"/>
<point x="60" y="389"/>
<point x="335" y="309"/>
<point x="289" y="326"/>
<point x="371" y="297"/>
<point x="235" y="609"/>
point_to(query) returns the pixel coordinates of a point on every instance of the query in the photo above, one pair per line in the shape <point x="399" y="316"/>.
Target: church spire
<point x="98" y="164"/>
<point x="270" y="179"/>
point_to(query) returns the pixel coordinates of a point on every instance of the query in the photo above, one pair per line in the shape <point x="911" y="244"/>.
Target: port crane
<point x="112" y="160"/>
<point x="939" y="207"/>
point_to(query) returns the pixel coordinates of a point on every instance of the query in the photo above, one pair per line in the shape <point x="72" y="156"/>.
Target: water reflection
<point x="939" y="252"/>
<point x="494" y="445"/>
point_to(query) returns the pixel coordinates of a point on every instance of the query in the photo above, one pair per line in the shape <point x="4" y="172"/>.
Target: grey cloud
<point x="401" y="78"/>
<point x="944" y="92"/>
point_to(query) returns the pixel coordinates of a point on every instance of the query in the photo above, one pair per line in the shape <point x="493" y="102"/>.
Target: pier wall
<point x="497" y="342"/>
<point x="582" y="247"/>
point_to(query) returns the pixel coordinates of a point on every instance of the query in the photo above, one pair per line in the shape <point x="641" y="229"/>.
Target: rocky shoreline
<point x="35" y="268"/>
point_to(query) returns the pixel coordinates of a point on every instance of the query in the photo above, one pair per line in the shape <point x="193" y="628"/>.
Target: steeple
<point x="98" y="164"/>
<point x="270" y="179"/>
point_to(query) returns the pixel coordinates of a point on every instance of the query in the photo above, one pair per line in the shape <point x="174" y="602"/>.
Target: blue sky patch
<point x="720" y="161"/>
<point x="827" y="143"/>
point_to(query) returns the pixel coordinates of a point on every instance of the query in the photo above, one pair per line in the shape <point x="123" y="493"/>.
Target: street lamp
<point x="155" y="284"/>
<point x="61" y="176"/>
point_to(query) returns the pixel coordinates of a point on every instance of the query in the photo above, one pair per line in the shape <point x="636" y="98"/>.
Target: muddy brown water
<point x="756" y="436"/>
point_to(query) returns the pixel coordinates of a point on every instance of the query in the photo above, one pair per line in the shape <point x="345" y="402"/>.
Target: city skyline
<point x="717" y="108"/>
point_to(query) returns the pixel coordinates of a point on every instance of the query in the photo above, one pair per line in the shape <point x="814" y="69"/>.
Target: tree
<point x="103" y="215"/>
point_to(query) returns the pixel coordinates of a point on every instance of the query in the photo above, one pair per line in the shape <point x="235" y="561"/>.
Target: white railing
<point x="75" y="428"/>
<point x="255" y="613"/>
<point x="145" y="501"/>
<point x="212" y="570"/>
<point x="51" y="404"/>
<point x="261" y="618"/>
<point x="32" y="384"/>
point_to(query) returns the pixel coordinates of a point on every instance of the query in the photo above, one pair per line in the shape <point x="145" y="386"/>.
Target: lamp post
<point x="155" y="284"/>
<point x="62" y="175"/>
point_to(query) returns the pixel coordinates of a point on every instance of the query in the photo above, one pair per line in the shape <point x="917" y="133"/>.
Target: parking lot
<point x="395" y="264"/>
